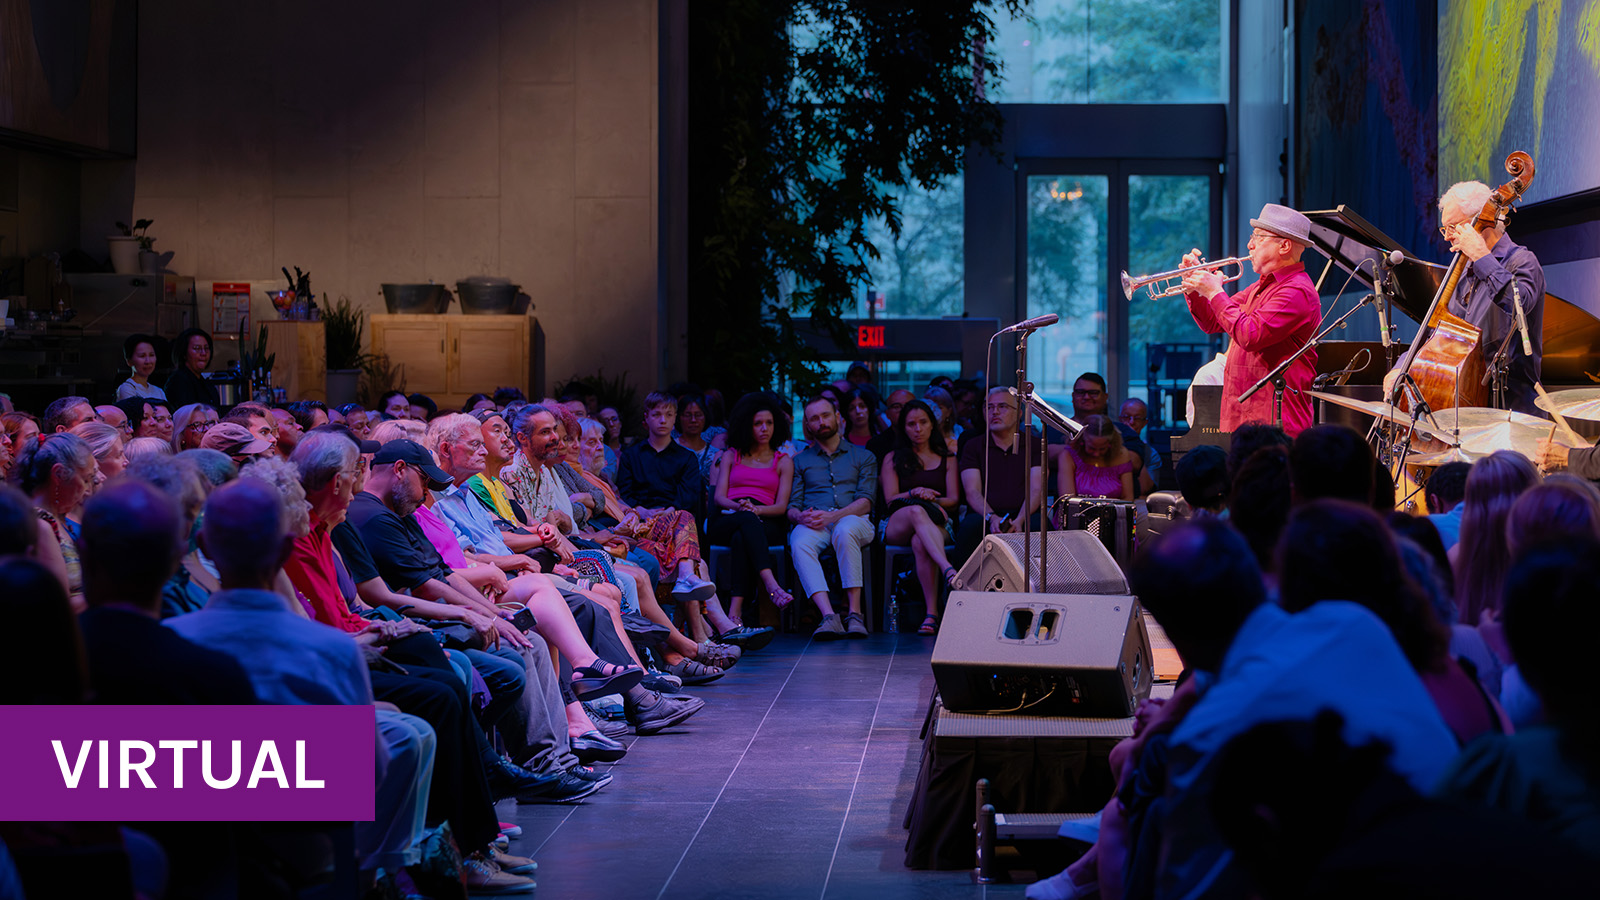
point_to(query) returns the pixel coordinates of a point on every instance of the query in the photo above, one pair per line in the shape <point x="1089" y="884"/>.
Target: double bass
<point x="1447" y="361"/>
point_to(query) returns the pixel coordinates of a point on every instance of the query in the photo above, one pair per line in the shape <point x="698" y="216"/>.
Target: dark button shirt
<point x="184" y="387"/>
<point x="833" y="482"/>
<point x="654" y="480"/>
<point x="1484" y="299"/>
<point x="1004" y="489"/>
<point x="354" y="553"/>
<point x="134" y="660"/>
<point x="399" y="549"/>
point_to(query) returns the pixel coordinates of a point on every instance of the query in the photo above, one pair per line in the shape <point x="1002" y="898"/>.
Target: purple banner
<point x="186" y="763"/>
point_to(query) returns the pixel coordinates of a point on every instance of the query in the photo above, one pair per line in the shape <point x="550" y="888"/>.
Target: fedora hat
<point x="1284" y="222"/>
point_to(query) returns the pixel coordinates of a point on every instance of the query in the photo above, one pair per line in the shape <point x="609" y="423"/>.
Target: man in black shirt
<point x="992" y="476"/>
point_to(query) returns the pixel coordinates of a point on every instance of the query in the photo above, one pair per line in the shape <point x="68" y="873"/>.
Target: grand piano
<point x="1354" y="246"/>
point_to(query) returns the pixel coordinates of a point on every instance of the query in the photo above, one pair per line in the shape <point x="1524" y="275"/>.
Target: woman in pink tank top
<point x="751" y="499"/>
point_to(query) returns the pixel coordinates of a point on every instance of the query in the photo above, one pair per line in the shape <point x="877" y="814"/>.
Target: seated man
<point x="995" y="495"/>
<point x="66" y="414"/>
<point x="1133" y="415"/>
<point x="1443" y="493"/>
<point x="831" y="504"/>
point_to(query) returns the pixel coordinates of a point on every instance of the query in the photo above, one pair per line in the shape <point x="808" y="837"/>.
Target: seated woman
<point x="1095" y="464"/>
<point x="106" y="444"/>
<point x="920" y="486"/>
<point x="190" y="424"/>
<point x="752" y="497"/>
<point x="139" y="351"/>
<point x="860" y="416"/>
<point x="58" y="472"/>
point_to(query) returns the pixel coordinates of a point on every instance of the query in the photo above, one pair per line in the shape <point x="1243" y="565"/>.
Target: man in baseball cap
<point x="413" y="454"/>
<point x="237" y="441"/>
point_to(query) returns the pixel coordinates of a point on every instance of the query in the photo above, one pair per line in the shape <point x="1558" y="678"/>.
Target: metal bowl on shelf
<point x="487" y="296"/>
<point x="429" y="299"/>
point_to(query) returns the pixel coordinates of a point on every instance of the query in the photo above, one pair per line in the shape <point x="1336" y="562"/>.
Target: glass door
<point x="1069" y="239"/>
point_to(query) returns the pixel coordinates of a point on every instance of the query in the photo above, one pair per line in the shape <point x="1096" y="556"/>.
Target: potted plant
<point x="126" y="247"/>
<point x="257" y="368"/>
<point x="342" y="325"/>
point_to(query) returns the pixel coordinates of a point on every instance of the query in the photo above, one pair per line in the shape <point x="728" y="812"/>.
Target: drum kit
<point x="1470" y="433"/>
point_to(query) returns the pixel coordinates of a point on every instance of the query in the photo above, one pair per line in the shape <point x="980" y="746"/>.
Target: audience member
<point x="20" y="427"/>
<point x="105" y="443"/>
<point x="999" y="492"/>
<point x="57" y="471"/>
<point x="139" y="352"/>
<point x="288" y="430"/>
<point x="692" y="421"/>
<point x="157" y="421"/>
<point x="395" y="405"/>
<point x="752" y="500"/>
<point x="67" y="413"/>
<point x="1337" y="550"/>
<point x="237" y="442"/>
<point x="861" y="416"/>
<point x="213" y="465"/>
<point x="1095" y="463"/>
<point x="140" y="447"/>
<point x="1134" y="415"/>
<point x="920" y="487"/>
<point x="1481" y="557"/>
<point x="1258" y="507"/>
<point x="190" y="424"/>
<point x="943" y="405"/>
<point x="1202" y="477"/>
<point x="883" y="438"/>
<point x="357" y="419"/>
<point x="423" y="409"/>
<point x="1247" y="439"/>
<point x="1331" y="461"/>
<point x="191" y="354"/>
<point x="1548" y="774"/>
<point x="50" y="667"/>
<point x="1201" y="583"/>
<point x="830" y="505"/>
<point x="1552" y="510"/>
<point x="1089" y="397"/>
<point x="112" y="415"/>
<point x="1442" y="495"/>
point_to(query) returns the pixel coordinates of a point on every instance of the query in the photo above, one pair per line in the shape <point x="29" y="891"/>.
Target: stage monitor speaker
<point x="1112" y="521"/>
<point x="1043" y="654"/>
<point x="1078" y="563"/>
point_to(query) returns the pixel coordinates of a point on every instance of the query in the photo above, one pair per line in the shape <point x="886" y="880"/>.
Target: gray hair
<point x="102" y="438"/>
<point x="286" y="479"/>
<point x="321" y="456"/>
<point x="59" y="412"/>
<point x="42" y="454"/>
<point x="1466" y="197"/>
<point x="141" y="447"/>
<point x="216" y="467"/>
<point x="591" y="428"/>
<point x="178" y="477"/>
<point x="450" y="427"/>
<point x="398" y="430"/>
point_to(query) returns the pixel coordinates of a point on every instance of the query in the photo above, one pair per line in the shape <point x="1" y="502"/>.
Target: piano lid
<point x="1571" y="335"/>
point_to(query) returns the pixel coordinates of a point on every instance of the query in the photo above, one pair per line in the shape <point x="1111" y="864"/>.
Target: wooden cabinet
<point x="450" y="358"/>
<point x="301" y="363"/>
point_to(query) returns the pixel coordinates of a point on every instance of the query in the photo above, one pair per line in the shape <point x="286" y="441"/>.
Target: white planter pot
<point x="149" y="262"/>
<point x="124" y="254"/>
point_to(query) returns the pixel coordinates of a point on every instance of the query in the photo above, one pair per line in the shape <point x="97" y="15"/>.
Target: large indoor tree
<point x="807" y="121"/>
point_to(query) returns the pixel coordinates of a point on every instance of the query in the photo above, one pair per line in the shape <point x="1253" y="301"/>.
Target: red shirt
<point x="310" y="570"/>
<point x="1268" y="322"/>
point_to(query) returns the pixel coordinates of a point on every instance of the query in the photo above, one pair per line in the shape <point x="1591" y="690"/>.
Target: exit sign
<point x="870" y="336"/>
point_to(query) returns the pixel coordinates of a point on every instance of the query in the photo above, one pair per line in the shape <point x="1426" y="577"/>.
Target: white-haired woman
<point x="57" y="471"/>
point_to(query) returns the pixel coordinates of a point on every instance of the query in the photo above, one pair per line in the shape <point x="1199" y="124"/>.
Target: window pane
<point x="1113" y="51"/>
<point x="1066" y="276"/>
<point x="919" y="273"/>
<point x="1168" y="215"/>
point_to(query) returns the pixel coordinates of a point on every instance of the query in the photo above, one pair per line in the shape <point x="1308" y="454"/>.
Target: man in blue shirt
<point x="831" y="504"/>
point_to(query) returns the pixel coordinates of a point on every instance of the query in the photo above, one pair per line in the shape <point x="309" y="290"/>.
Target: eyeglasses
<point x="1093" y="392"/>
<point x="997" y="407"/>
<point x="198" y="426"/>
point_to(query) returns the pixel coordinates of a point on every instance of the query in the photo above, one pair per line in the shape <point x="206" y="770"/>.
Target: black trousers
<point x="748" y="536"/>
<point x="460" y="788"/>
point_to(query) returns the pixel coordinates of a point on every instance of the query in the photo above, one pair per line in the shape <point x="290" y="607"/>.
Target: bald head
<point x="245" y="533"/>
<point x="132" y="539"/>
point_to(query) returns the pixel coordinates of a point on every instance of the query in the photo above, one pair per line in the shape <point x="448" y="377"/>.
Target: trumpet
<point x="1158" y="282"/>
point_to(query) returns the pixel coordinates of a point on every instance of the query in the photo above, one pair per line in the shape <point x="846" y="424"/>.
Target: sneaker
<point x="516" y="865"/>
<point x="747" y="638"/>
<point x="482" y="878"/>
<point x="829" y="630"/>
<point x="721" y="656"/>
<point x="854" y="626"/>
<point x="589" y="774"/>
<point x="510" y="829"/>
<point x="693" y="672"/>
<point x="615" y="729"/>
<point x="664" y="713"/>
<point x="564" y="787"/>
<point x="662" y="683"/>
<point x="691" y="587"/>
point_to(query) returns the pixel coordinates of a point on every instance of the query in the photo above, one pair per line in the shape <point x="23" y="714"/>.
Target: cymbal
<point x="1444" y="422"/>
<point x="1485" y="439"/>
<point x="1440" y="457"/>
<point x="1578" y="403"/>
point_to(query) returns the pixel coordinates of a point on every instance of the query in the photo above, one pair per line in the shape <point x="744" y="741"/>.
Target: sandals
<point x="952" y="579"/>
<point x="693" y="672"/>
<point x="600" y="678"/>
<point x="930" y="625"/>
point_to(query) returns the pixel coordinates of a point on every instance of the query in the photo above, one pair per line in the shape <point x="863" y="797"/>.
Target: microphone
<point x="1033" y="324"/>
<point x="1385" y="264"/>
<point x="1522" y="320"/>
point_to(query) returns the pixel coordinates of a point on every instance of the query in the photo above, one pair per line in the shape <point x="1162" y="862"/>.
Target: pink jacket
<point x="1268" y="322"/>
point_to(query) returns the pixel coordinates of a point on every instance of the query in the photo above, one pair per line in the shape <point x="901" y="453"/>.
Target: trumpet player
<point x="1266" y="322"/>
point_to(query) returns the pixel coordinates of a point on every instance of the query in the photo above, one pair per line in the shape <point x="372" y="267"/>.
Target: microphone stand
<point x="1276" y="376"/>
<point x="1499" y="370"/>
<point x="1024" y="399"/>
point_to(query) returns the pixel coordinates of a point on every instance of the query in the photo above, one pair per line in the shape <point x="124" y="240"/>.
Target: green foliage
<point x="342" y="325"/>
<point x="809" y="117"/>
<point x="379" y="377"/>
<point x="614" y="391"/>
<point x="258" y="363"/>
<point x="920" y="269"/>
<point x="1133" y="51"/>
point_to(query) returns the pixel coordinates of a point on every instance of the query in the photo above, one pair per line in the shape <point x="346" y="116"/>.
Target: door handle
<point x="441" y="346"/>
